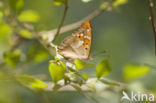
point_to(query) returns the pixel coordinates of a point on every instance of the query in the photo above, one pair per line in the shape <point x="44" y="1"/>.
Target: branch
<point x="151" y="18"/>
<point x="86" y="87"/>
<point x="51" y="34"/>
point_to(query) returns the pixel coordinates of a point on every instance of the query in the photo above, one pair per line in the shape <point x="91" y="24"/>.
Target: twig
<point x="63" y="19"/>
<point x="151" y="18"/>
<point x="51" y="34"/>
<point x="84" y="87"/>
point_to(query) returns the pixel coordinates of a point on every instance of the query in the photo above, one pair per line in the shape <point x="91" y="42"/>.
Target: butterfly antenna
<point x="100" y="53"/>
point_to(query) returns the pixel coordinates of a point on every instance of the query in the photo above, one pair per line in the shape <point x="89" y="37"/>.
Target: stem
<point x="151" y="18"/>
<point x="63" y="19"/>
<point x="51" y="34"/>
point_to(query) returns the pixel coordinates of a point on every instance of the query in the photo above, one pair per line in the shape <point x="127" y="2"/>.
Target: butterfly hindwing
<point x="78" y="45"/>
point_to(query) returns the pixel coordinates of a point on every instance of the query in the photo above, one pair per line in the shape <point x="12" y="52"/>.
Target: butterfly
<point x="77" y="45"/>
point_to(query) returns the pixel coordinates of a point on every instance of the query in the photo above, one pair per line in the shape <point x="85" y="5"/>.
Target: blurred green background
<point x="125" y="33"/>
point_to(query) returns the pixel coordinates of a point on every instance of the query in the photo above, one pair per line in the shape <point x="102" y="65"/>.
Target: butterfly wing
<point x="79" y="44"/>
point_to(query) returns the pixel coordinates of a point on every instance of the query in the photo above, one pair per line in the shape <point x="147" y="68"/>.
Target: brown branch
<point x="47" y="43"/>
<point x="86" y="87"/>
<point x="151" y="18"/>
<point x="51" y="34"/>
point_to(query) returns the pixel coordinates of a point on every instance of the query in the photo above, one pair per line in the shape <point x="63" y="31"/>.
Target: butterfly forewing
<point x="78" y="44"/>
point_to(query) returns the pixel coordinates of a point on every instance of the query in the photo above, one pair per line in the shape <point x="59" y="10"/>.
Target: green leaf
<point x="31" y="82"/>
<point x="76" y="87"/>
<point x="57" y="70"/>
<point x="25" y="34"/>
<point x="85" y="76"/>
<point x="59" y="2"/>
<point x="111" y="83"/>
<point x="16" y="5"/>
<point x="103" y="69"/>
<point x="81" y="64"/>
<point x="12" y="58"/>
<point x="86" y="1"/>
<point x="4" y="30"/>
<point x="1" y="15"/>
<point x="132" y="72"/>
<point x="41" y="56"/>
<point x="29" y="16"/>
<point x="36" y="53"/>
<point x="119" y="2"/>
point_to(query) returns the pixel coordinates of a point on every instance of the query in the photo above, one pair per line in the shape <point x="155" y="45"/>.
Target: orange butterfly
<point x="77" y="45"/>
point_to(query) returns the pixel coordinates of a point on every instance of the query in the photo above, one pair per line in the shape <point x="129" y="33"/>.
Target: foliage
<point x="103" y="69"/>
<point x="57" y="70"/>
<point x="132" y="72"/>
<point x="79" y="64"/>
<point x="59" y="2"/>
<point x="28" y="71"/>
<point x="12" y="58"/>
<point x="28" y="16"/>
<point x="31" y="82"/>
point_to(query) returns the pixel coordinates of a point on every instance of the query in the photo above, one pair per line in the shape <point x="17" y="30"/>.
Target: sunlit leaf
<point x="85" y="76"/>
<point x="119" y="2"/>
<point x="16" y="5"/>
<point x="25" y="34"/>
<point x="57" y="70"/>
<point x="1" y="15"/>
<point x="132" y="72"/>
<point x="76" y="87"/>
<point x="12" y="58"/>
<point x="4" y="30"/>
<point x="29" y="16"/>
<point x="36" y="53"/>
<point x="104" y="5"/>
<point x="82" y="64"/>
<point x="103" y="69"/>
<point x="86" y="1"/>
<point x="31" y="82"/>
<point x="41" y="55"/>
<point x="59" y="2"/>
<point x="109" y="82"/>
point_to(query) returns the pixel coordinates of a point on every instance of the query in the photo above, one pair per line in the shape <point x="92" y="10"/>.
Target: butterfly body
<point x="77" y="45"/>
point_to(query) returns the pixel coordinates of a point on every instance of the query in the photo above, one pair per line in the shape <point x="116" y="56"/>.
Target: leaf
<point x="85" y="76"/>
<point x="119" y="2"/>
<point x="76" y="87"/>
<point x="25" y="34"/>
<point x="103" y="69"/>
<point x="1" y="15"/>
<point x="111" y="83"/>
<point x="12" y="58"/>
<point x="4" y="30"/>
<point x="36" y="53"/>
<point x="29" y="16"/>
<point x="81" y="64"/>
<point x="31" y="82"/>
<point x="57" y="70"/>
<point x="59" y="2"/>
<point x="16" y="5"/>
<point x="86" y="1"/>
<point x="132" y="71"/>
<point x="41" y="56"/>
